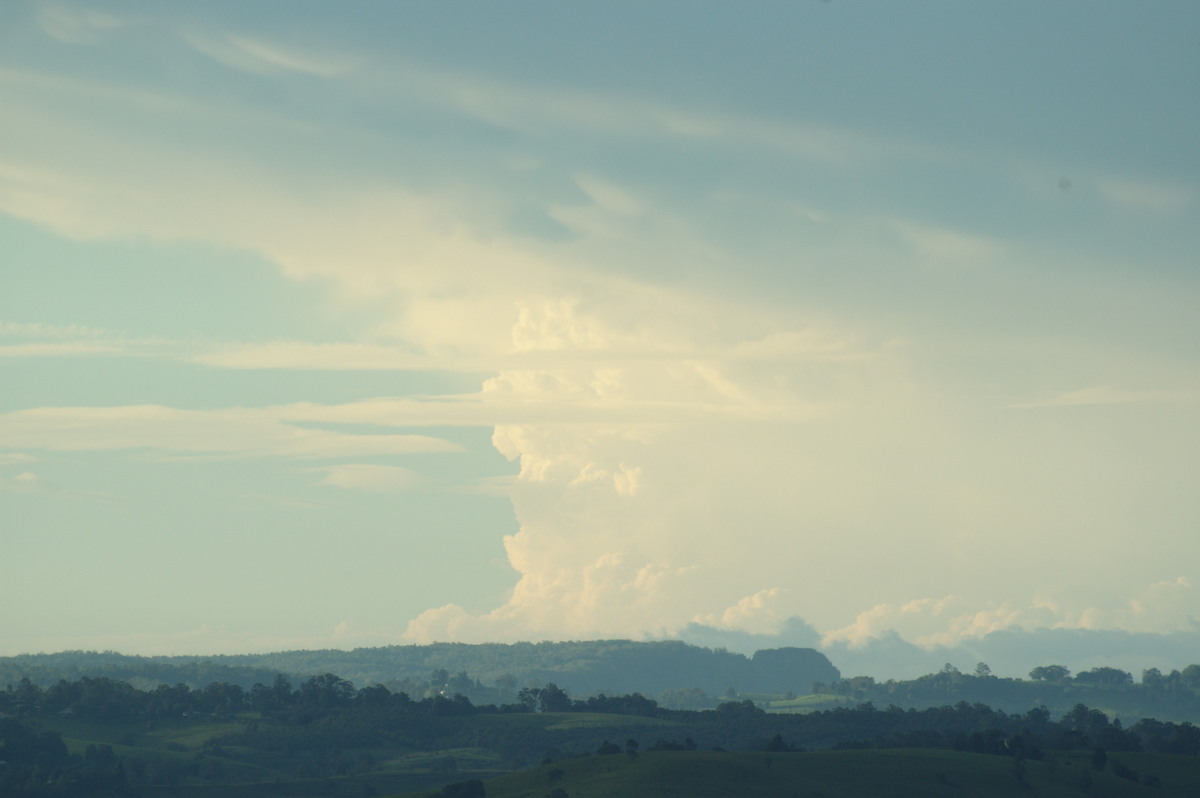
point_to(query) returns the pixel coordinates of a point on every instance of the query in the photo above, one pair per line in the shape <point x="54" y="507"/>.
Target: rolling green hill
<point x="896" y="773"/>
<point x="99" y="737"/>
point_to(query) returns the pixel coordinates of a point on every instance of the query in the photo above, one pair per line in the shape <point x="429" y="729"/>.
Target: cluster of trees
<point x="37" y="763"/>
<point x="1177" y="681"/>
<point x="107" y="700"/>
<point x="963" y="726"/>
<point x="1174" y="696"/>
<point x="1080" y="728"/>
<point x="47" y="669"/>
<point x="552" y="698"/>
<point x="982" y="729"/>
<point x="1115" y="677"/>
<point x="103" y="699"/>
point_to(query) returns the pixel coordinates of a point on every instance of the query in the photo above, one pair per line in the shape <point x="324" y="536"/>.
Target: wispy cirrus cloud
<point x="40" y="330"/>
<point x="233" y="432"/>
<point x="329" y="357"/>
<point x="77" y="24"/>
<point x="57" y="349"/>
<point x="37" y="340"/>
<point x="33" y="484"/>
<point x="1147" y="195"/>
<point x="261" y="56"/>
<point x="370" y="477"/>
<point x="948" y="249"/>
<point x="1111" y="395"/>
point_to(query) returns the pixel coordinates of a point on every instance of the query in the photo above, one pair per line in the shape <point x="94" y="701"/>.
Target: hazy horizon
<point x="335" y="326"/>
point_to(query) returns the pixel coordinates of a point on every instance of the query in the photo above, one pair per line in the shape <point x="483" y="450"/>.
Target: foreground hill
<point x="99" y="737"/>
<point x="896" y="773"/>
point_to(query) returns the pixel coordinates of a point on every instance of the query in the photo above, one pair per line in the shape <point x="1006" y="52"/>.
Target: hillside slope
<point x="897" y="773"/>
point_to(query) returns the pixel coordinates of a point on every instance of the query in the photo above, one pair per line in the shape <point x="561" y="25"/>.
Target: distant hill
<point x="581" y="668"/>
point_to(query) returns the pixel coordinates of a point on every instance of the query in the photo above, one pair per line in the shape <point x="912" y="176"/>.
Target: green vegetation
<point x="323" y="736"/>
<point x="899" y="773"/>
<point x="97" y="736"/>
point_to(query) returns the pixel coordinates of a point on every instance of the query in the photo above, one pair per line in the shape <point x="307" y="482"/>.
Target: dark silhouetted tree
<point x="1049" y="673"/>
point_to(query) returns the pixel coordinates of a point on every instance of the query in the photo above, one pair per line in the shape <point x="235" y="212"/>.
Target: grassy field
<point x="567" y="721"/>
<point x="806" y="703"/>
<point x="896" y="773"/>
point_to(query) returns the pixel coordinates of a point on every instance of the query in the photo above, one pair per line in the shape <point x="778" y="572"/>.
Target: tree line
<point x="584" y="667"/>
<point x="1175" y="695"/>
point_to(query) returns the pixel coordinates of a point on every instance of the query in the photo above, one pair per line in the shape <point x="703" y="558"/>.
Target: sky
<point x="327" y="325"/>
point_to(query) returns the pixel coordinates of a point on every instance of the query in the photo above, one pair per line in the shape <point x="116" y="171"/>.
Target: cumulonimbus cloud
<point x="685" y="451"/>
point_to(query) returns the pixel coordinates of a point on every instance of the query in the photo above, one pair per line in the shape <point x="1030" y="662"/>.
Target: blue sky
<point x="352" y="324"/>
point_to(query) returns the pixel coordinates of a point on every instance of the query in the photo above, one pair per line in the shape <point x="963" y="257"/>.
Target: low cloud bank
<point x="1010" y="652"/>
